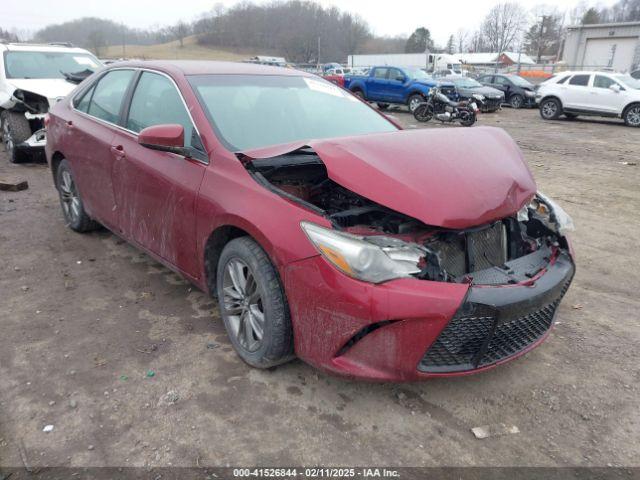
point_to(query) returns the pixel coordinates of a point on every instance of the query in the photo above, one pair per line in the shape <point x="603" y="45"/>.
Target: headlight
<point x="551" y="214"/>
<point x="529" y="93"/>
<point x="373" y="259"/>
<point x="478" y="96"/>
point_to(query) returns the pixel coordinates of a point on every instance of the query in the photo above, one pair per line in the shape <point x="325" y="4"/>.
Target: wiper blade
<point x="77" y="77"/>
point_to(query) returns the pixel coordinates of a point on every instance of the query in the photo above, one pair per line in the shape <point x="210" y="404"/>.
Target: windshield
<point x="519" y="81"/>
<point x="252" y="111"/>
<point x="628" y="80"/>
<point x="47" y="64"/>
<point x="466" y="82"/>
<point x="416" y="73"/>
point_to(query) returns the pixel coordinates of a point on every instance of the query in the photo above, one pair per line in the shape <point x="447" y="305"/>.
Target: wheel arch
<point x="56" y="159"/>
<point x="223" y="233"/>
<point x="549" y="97"/>
<point x="631" y="104"/>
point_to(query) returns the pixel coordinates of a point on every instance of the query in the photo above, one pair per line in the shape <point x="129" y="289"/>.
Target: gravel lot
<point x="133" y="368"/>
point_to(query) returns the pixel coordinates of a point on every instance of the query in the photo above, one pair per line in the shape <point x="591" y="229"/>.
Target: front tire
<point x="414" y="101"/>
<point x="516" y="101"/>
<point x="632" y="116"/>
<point x="73" y="210"/>
<point x="253" y="305"/>
<point x="382" y="106"/>
<point x="15" y="130"/>
<point x="468" y="119"/>
<point x="550" y="109"/>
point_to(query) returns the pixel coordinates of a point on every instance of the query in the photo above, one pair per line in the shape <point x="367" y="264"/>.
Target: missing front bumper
<point x="497" y="323"/>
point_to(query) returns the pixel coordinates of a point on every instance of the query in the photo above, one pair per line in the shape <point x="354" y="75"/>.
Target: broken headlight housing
<point x="548" y="212"/>
<point x="374" y="259"/>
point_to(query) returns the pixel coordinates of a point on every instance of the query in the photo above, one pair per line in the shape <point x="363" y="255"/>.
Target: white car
<point x="603" y="94"/>
<point x="32" y="79"/>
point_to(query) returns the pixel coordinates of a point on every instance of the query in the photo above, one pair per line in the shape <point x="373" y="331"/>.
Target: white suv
<point x="32" y="79"/>
<point x="602" y="94"/>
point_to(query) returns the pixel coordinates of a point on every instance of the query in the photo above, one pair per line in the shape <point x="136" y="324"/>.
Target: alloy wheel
<point x="633" y="116"/>
<point x="243" y="305"/>
<point x="413" y="103"/>
<point x="549" y="109"/>
<point x="516" y="101"/>
<point x="69" y="197"/>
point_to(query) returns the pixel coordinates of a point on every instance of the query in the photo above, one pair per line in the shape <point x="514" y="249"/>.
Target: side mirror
<point x="165" y="138"/>
<point x="615" y="87"/>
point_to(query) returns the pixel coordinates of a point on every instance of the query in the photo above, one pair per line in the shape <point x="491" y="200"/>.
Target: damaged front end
<point x="24" y="121"/>
<point x="374" y="243"/>
<point x="516" y="268"/>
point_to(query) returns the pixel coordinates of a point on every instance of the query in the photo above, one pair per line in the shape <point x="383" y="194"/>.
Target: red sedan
<point x="325" y="231"/>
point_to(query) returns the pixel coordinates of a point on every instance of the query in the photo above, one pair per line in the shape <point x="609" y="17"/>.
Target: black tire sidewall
<point x="12" y="119"/>
<point x="626" y="114"/>
<point x="277" y="325"/>
<point x="558" y="109"/>
<point x="513" y="97"/>
<point x="76" y="225"/>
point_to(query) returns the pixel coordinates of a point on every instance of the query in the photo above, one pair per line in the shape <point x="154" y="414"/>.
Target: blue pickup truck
<point x="406" y="86"/>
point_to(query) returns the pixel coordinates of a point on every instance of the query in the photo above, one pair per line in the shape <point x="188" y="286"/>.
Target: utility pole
<point x="124" y="48"/>
<point x="318" y="53"/>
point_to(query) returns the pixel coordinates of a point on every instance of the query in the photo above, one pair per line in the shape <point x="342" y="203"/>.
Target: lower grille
<point x="491" y="103"/>
<point x="479" y="335"/>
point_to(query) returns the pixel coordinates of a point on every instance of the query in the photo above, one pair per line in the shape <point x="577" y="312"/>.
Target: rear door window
<point x="108" y="95"/>
<point x="579" y="80"/>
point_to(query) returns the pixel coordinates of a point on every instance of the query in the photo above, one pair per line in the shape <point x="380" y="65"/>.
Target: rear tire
<point x="632" y="116"/>
<point x="423" y="113"/>
<point x="359" y="94"/>
<point x="550" y="109"/>
<point x="15" y="130"/>
<point x="73" y="210"/>
<point x="253" y="305"/>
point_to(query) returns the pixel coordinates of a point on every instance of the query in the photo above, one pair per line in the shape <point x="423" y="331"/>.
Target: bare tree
<point x="461" y="40"/>
<point x="179" y="31"/>
<point x="503" y="25"/>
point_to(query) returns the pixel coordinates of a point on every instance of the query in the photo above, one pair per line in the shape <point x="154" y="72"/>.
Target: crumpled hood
<point x="47" y="87"/>
<point x="454" y="178"/>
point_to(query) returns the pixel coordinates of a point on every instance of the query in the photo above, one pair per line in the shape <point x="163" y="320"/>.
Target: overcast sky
<point x="399" y="17"/>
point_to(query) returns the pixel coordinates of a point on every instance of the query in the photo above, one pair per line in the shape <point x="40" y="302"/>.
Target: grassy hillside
<point x="172" y="51"/>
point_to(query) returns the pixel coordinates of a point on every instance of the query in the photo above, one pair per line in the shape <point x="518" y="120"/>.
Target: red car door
<point x="91" y="129"/>
<point x="156" y="191"/>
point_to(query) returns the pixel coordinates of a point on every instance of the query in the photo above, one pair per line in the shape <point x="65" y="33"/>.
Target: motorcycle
<point x="438" y="105"/>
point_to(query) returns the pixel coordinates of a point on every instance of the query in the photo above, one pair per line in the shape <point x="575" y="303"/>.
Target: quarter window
<point x="157" y="102"/>
<point x="108" y="94"/>
<point x="579" y="80"/>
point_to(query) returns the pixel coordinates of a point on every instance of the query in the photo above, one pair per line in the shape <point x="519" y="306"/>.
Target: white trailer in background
<point x="428" y="61"/>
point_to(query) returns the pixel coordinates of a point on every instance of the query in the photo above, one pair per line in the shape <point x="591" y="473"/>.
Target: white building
<point x="613" y="46"/>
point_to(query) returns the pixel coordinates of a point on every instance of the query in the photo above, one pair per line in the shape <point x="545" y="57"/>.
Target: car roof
<point x="207" y="67"/>
<point x="34" y="47"/>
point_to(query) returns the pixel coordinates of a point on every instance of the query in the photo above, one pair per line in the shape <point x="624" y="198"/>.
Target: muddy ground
<point x="132" y="366"/>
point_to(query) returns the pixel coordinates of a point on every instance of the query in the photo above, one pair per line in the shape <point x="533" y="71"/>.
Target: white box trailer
<point x="429" y="61"/>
